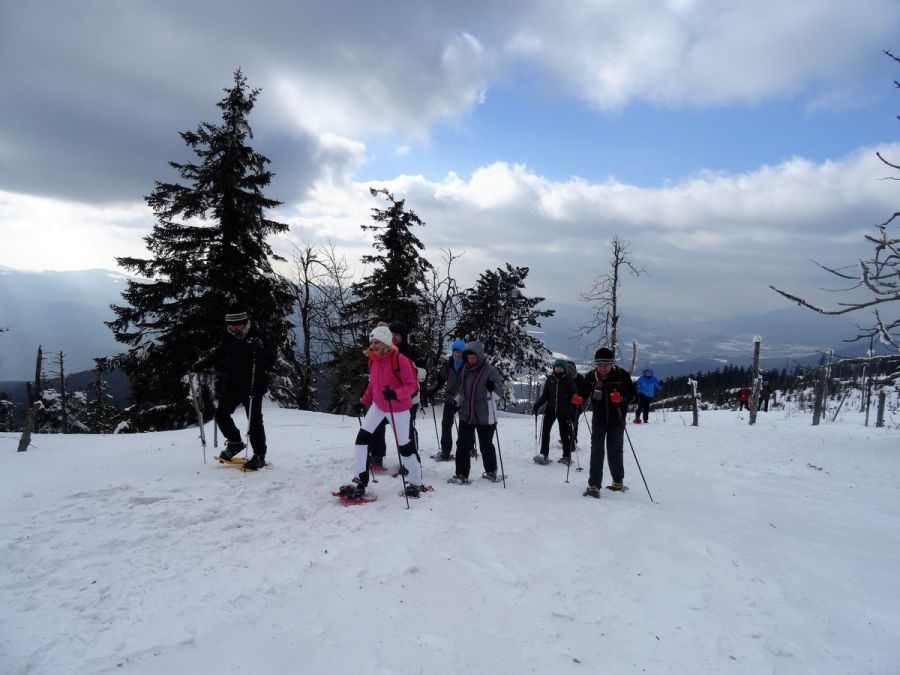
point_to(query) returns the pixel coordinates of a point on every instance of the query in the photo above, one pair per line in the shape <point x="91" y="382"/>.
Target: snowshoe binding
<point x="541" y="459"/>
<point x="459" y="480"/>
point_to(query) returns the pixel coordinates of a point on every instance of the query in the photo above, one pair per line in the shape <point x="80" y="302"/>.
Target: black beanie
<point x="400" y="330"/>
<point x="604" y="355"/>
<point x="236" y="314"/>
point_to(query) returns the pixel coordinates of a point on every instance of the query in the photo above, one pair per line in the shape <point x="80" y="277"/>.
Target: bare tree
<point x="604" y="294"/>
<point x="877" y="275"/>
<point x="443" y="298"/>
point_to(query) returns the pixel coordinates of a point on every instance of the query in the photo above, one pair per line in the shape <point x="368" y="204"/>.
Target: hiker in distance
<point x="449" y="374"/>
<point x="557" y="401"/>
<point x="610" y="390"/>
<point x="647" y="386"/>
<point x="476" y="402"/>
<point x="392" y="383"/>
<point x="242" y="361"/>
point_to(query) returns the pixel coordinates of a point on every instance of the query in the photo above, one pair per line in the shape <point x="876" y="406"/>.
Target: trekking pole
<point x="215" y="410"/>
<point x="577" y="449"/>
<point x="638" y="464"/>
<point x="434" y="417"/>
<point x="195" y="399"/>
<point x="397" y="443"/>
<point x="250" y="405"/>
<point x="497" y="431"/>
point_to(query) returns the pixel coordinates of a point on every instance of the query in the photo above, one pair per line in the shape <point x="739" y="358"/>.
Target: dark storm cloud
<point x="96" y="92"/>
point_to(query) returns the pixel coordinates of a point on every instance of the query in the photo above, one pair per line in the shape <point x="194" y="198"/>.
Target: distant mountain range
<point x="65" y="311"/>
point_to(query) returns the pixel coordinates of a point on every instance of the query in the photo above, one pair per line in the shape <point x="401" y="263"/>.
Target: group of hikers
<point x="472" y="391"/>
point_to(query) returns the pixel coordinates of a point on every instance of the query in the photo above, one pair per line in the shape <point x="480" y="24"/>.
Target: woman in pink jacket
<point x="392" y="384"/>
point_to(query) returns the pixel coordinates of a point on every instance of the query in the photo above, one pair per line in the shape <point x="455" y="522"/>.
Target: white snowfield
<point x="770" y="549"/>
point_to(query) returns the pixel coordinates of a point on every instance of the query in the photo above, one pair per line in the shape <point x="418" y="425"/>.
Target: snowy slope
<point x="771" y="548"/>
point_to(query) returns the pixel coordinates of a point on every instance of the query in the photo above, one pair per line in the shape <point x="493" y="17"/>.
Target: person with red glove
<point x="556" y="399"/>
<point x="609" y="389"/>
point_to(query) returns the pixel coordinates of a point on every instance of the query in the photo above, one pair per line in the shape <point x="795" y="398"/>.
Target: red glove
<point x="577" y="400"/>
<point x="615" y="397"/>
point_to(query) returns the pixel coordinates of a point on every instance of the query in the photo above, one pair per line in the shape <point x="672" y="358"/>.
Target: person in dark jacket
<point x="556" y="400"/>
<point x="647" y="386"/>
<point x="449" y="375"/>
<point x="764" y="395"/>
<point x="476" y="402"/>
<point x="242" y="361"/>
<point x="610" y="390"/>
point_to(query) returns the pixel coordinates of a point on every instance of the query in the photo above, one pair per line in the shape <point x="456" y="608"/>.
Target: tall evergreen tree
<point x="208" y="249"/>
<point x="498" y="314"/>
<point x="393" y="291"/>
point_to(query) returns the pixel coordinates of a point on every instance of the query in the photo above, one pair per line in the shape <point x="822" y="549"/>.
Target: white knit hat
<point x="382" y="334"/>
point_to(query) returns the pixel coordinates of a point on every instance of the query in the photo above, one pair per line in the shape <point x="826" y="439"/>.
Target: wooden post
<point x="882" y="398"/>
<point x="28" y="426"/>
<point x="693" y="383"/>
<point x="754" y="395"/>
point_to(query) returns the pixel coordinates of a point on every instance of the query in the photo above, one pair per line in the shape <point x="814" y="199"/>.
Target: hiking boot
<point x="231" y="450"/>
<point x="541" y="459"/>
<point x="616" y="486"/>
<point x="255" y="463"/>
<point x="414" y="491"/>
<point x="459" y="480"/>
<point x="592" y="491"/>
<point x="474" y="453"/>
<point x="490" y="475"/>
<point x="352" y="491"/>
<point x="442" y="457"/>
<point x="637" y="420"/>
<point x="565" y="460"/>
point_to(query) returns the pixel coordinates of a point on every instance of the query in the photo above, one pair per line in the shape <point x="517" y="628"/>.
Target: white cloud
<point x="704" y="52"/>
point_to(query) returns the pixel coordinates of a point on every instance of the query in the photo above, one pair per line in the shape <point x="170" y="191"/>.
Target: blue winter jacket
<point x="648" y="385"/>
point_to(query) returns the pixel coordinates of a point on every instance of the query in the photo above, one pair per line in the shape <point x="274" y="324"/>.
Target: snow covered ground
<point x="773" y="548"/>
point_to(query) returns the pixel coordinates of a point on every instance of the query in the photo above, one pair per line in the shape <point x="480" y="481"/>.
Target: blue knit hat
<point x="458" y="345"/>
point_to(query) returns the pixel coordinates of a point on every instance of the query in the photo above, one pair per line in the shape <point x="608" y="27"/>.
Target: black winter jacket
<point x="557" y="395"/>
<point x="233" y="360"/>
<point x="597" y="394"/>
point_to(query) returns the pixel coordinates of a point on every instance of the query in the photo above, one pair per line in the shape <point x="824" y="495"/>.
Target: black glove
<point x="389" y="394"/>
<point x="360" y="408"/>
<point x="431" y="392"/>
<point x="254" y="343"/>
<point x="423" y="399"/>
<point x="490" y="386"/>
<point x="452" y="404"/>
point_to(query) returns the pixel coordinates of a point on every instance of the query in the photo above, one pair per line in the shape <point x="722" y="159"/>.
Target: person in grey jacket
<point x="449" y="374"/>
<point x="476" y="402"/>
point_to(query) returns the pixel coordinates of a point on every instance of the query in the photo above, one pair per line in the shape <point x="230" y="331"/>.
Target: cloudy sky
<point x="730" y="142"/>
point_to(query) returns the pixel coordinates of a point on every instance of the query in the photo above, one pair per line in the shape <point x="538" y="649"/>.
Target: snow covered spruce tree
<point x="208" y="249"/>
<point x="498" y="314"/>
<point x="393" y="291"/>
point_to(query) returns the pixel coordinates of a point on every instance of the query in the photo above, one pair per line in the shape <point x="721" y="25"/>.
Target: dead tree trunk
<point x="634" y="350"/>
<point x="28" y="426"/>
<point x="62" y="393"/>
<point x="879" y="418"/>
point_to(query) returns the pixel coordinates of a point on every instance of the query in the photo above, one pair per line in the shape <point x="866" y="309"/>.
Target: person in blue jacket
<point x="647" y="386"/>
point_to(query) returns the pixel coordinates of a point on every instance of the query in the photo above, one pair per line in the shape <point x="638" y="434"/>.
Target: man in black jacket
<point x="609" y="390"/>
<point x="242" y="361"/>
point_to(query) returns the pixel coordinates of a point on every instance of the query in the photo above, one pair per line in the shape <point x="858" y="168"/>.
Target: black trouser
<point x="606" y="440"/>
<point x="744" y="405"/>
<point x="447" y="429"/>
<point x="575" y="419"/>
<point x="764" y="403"/>
<point x="227" y="405"/>
<point x="643" y="406"/>
<point x="466" y="443"/>
<point x="565" y="431"/>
